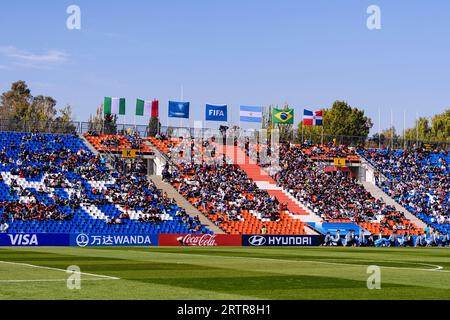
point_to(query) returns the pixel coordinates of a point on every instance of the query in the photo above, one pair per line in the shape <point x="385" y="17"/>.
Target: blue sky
<point x="235" y="52"/>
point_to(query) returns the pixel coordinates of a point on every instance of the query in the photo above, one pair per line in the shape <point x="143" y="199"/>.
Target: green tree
<point x="344" y="120"/>
<point x="41" y="114"/>
<point x="153" y="126"/>
<point x="421" y="131"/>
<point x="21" y="111"/>
<point x="436" y="131"/>
<point x="95" y="122"/>
<point x="14" y="102"/>
<point x="64" y="123"/>
<point x="341" y="123"/>
<point x="440" y="127"/>
<point x="106" y="123"/>
<point x="110" y="124"/>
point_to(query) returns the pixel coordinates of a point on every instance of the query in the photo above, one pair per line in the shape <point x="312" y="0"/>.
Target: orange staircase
<point x="255" y="172"/>
<point x="283" y="198"/>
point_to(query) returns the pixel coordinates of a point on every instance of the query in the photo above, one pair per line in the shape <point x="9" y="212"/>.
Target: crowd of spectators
<point x="33" y="210"/>
<point x="225" y="190"/>
<point x="110" y="141"/>
<point x="215" y="184"/>
<point x="417" y="179"/>
<point x="425" y="239"/>
<point x="335" y="195"/>
<point x="134" y="138"/>
<point x="52" y="158"/>
<point x="61" y="168"/>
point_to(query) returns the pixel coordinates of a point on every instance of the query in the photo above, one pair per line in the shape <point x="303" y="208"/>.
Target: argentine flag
<point x="251" y="114"/>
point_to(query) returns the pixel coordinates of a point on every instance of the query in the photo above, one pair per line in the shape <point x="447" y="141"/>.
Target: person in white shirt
<point x="3" y="227"/>
<point x="337" y="241"/>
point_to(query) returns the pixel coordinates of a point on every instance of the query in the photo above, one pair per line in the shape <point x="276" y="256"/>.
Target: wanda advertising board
<point x="199" y="240"/>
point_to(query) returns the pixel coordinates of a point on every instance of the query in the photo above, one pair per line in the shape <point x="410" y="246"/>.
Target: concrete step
<point x="266" y="182"/>
<point x="183" y="203"/>
<point x="88" y="144"/>
<point x="311" y="216"/>
<point x="95" y="151"/>
<point x="380" y="194"/>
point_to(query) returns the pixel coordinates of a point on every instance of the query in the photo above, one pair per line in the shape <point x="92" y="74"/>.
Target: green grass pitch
<point x="224" y="273"/>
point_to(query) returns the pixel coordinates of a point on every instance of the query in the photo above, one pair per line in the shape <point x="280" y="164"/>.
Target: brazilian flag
<point x="283" y="116"/>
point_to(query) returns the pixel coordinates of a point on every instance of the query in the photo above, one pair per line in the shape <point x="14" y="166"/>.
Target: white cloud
<point x="26" y="58"/>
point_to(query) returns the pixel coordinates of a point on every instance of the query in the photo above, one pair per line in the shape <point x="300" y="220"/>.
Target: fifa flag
<point x="114" y="106"/>
<point x="147" y="108"/>
<point x="311" y="118"/>
<point x="283" y="116"/>
<point x="178" y="109"/>
<point x="251" y="114"/>
<point x="216" y="113"/>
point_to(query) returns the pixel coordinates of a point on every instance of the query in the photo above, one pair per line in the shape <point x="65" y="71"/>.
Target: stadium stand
<point x="53" y="183"/>
<point x="117" y="143"/>
<point x="417" y="179"/>
<point x="223" y="191"/>
<point x="335" y="195"/>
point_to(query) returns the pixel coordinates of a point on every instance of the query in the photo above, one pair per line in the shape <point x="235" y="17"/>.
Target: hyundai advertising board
<point x="280" y="241"/>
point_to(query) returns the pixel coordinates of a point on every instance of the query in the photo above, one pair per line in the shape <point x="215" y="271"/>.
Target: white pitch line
<point x="50" y="280"/>
<point x="57" y="269"/>
<point x="436" y="269"/>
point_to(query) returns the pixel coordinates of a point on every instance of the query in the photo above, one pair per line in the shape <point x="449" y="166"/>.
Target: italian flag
<point x="147" y="108"/>
<point x="114" y="105"/>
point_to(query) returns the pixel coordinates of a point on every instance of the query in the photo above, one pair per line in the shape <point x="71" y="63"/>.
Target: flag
<point x="143" y="108"/>
<point x="216" y="113"/>
<point x="251" y="114"/>
<point x="114" y="106"/>
<point x="178" y="109"/>
<point x="311" y="118"/>
<point x="155" y="109"/>
<point x="283" y="116"/>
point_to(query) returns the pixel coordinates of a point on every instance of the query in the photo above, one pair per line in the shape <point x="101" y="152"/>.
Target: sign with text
<point x="280" y="241"/>
<point x="340" y="162"/>
<point x="112" y="240"/>
<point x="34" y="239"/>
<point x="199" y="240"/>
<point x="129" y="153"/>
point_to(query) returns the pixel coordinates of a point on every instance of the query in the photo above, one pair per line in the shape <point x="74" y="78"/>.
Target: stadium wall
<point x="147" y="240"/>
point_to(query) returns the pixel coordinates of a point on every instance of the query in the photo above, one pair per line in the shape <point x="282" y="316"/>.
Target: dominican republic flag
<point x="312" y="118"/>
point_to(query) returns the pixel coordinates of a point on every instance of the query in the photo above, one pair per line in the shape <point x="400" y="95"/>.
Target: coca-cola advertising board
<point x="199" y="240"/>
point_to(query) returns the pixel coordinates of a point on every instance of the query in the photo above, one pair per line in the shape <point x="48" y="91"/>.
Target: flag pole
<point x="303" y="127"/>
<point x="417" y="129"/>
<point x="392" y="129"/>
<point x="322" y="134"/>
<point x="157" y="118"/>
<point x="182" y="98"/>
<point x="379" y="128"/>
<point x="103" y="119"/>
<point x="404" y="128"/>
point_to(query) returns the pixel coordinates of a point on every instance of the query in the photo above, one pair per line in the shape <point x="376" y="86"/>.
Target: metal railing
<point x="292" y="136"/>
